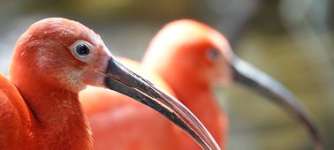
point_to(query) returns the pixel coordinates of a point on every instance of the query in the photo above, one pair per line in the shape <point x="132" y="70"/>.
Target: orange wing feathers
<point x="14" y="116"/>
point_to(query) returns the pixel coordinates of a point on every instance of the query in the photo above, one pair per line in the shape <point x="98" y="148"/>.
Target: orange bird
<point x="187" y="59"/>
<point x="53" y="61"/>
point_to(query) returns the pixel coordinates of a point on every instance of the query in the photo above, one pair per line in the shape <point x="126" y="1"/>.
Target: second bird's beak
<point x="121" y="79"/>
<point x="255" y="79"/>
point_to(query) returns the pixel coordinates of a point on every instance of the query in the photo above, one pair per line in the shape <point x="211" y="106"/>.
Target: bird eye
<point x="213" y="54"/>
<point x="81" y="50"/>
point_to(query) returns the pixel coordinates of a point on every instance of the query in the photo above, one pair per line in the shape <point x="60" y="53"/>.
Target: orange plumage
<point x="53" y="61"/>
<point x="179" y="61"/>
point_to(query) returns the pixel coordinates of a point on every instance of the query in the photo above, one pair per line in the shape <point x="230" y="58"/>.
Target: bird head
<point x="195" y="50"/>
<point x="62" y="53"/>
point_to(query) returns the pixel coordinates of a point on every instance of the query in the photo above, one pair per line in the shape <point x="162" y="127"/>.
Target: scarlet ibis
<point x="53" y="61"/>
<point x="191" y="58"/>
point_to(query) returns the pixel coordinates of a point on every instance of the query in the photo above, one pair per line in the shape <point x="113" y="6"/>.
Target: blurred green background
<point x="291" y="40"/>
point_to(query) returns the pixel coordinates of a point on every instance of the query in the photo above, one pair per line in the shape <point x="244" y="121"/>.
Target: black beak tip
<point x="249" y="76"/>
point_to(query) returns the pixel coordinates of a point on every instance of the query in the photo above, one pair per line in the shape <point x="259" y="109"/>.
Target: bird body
<point x="15" y="117"/>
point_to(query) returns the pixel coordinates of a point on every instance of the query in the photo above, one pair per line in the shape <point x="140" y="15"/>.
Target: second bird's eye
<point x="81" y="50"/>
<point x="213" y="54"/>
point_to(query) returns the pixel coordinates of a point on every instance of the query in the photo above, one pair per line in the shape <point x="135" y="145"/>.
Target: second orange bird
<point x="187" y="59"/>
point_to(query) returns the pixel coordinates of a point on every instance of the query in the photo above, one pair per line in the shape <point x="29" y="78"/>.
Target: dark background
<point x="291" y="40"/>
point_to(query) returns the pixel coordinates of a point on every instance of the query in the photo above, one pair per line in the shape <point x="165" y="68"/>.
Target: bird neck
<point x="59" y="122"/>
<point x="199" y="97"/>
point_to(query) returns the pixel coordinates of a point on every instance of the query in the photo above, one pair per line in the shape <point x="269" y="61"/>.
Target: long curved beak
<point x="255" y="79"/>
<point x="121" y="79"/>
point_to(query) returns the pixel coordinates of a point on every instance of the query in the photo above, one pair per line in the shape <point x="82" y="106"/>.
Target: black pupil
<point x="213" y="54"/>
<point x="82" y="49"/>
